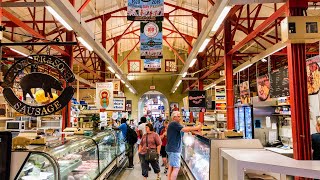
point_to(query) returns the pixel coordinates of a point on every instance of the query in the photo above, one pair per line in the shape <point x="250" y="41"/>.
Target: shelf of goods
<point x="81" y="157"/>
<point x="200" y="154"/>
<point x="49" y="122"/>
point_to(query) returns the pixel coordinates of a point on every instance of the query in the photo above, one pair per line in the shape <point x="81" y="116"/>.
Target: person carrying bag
<point x="149" y="152"/>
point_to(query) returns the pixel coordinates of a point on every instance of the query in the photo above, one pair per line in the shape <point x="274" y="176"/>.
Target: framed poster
<point x="145" y="10"/>
<point x="129" y="106"/>
<point x="104" y="95"/>
<point x="170" y="65"/>
<point x="151" y="40"/>
<point x="174" y="106"/>
<point x="119" y="103"/>
<point x="134" y="66"/>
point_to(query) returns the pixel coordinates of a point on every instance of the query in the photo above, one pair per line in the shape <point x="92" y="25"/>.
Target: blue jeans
<point x="174" y="159"/>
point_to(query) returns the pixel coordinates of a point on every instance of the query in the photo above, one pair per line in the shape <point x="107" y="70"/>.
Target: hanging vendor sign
<point x="279" y="83"/>
<point x="245" y="92"/>
<point x="263" y="87"/>
<point x="220" y="98"/>
<point x="145" y="10"/>
<point x="38" y="85"/>
<point x="104" y="95"/>
<point x="197" y="98"/>
<point x="152" y="64"/>
<point x="119" y="103"/>
<point x="151" y="40"/>
<point x="313" y="75"/>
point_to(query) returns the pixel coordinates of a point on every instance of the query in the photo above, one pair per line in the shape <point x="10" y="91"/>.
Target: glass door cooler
<point x="244" y="121"/>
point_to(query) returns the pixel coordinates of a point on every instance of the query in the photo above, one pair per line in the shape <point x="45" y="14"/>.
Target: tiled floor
<point x="135" y="174"/>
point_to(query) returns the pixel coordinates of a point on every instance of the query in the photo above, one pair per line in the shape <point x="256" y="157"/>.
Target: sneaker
<point x="129" y="167"/>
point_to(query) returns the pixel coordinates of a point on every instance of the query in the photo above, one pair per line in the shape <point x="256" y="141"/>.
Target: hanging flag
<point x="104" y="95"/>
<point x="152" y="64"/>
<point x="151" y="40"/>
<point x="145" y="10"/>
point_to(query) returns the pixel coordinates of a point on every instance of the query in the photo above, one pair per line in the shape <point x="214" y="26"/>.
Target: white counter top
<point x="267" y="161"/>
<point x="280" y="150"/>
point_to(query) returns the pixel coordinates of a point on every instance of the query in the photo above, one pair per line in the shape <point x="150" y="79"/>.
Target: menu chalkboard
<point x="279" y="81"/>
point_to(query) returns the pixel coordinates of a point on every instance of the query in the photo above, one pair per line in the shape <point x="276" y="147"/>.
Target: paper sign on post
<point x="268" y="122"/>
<point x="272" y="136"/>
<point x="274" y="126"/>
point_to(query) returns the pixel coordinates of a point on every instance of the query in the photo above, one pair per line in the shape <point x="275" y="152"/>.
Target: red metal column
<point x="115" y="54"/>
<point x="229" y="74"/>
<point x="298" y="89"/>
<point x="66" y="111"/>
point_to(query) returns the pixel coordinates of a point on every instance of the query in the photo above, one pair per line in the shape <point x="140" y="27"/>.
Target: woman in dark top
<point x="316" y="142"/>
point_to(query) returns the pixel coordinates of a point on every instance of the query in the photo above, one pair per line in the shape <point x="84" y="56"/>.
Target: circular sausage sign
<point x="38" y="80"/>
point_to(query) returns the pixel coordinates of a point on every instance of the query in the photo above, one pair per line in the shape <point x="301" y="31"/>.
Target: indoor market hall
<point x="159" y="89"/>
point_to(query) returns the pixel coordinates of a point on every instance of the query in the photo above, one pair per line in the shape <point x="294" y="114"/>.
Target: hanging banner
<point x="263" y="87"/>
<point x="197" y="98"/>
<point x="245" y="92"/>
<point x="152" y="64"/>
<point x="220" y="98"/>
<point x="104" y="95"/>
<point x="145" y="10"/>
<point x="151" y="40"/>
<point x="279" y="83"/>
<point x="119" y="103"/>
<point x="313" y="75"/>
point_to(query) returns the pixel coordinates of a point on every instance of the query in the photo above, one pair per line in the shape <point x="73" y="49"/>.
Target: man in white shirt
<point x="142" y="126"/>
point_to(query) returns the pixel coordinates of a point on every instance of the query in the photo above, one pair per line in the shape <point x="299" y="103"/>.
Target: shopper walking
<point x="316" y="142"/>
<point x="142" y="126"/>
<point x="163" y="137"/>
<point x="129" y="147"/>
<point x="149" y="151"/>
<point x="158" y="125"/>
<point x="174" y="143"/>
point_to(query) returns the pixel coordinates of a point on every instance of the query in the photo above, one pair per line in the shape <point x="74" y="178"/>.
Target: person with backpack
<point x="130" y="137"/>
<point x="149" y="152"/>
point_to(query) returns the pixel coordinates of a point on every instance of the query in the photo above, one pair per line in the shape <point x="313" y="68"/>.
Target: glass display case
<point x="196" y="156"/>
<point x="81" y="158"/>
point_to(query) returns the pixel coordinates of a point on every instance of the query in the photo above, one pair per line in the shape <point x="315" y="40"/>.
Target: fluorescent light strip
<point x="117" y="75"/>
<point x="184" y="74"/>
<point x="204" y="45"/>
<point x="247" y="66"/>
<point x="83" y="42"/>
<point x="127" y="86"/>
<point x="123" y="81"/>
<point x="179" y="83"/>
<point x="221" y="18"/>
<point x="59" y="18"/>
<point x="21" y="53"/>
<point x="192" y="62"/>
<point x="110" y="69"/>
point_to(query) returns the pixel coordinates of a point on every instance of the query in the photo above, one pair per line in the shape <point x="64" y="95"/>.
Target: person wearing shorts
<point x="163" y="153"/>
<point x="174" y="143"/>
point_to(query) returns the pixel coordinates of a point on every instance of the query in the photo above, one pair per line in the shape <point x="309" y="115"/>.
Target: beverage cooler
<point x="244" y="121"/>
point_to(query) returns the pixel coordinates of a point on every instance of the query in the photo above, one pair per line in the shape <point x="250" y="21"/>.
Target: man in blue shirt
<point x="129" y="147"/>
<point x="174" y="143"/>
<point x="158" y="125"/>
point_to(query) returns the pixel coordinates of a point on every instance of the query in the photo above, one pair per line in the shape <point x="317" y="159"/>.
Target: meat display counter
<point x="80" y="158"/>
<point x="200" y="154"/>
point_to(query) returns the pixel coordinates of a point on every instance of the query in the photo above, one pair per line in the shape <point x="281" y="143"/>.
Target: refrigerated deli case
<point x="81" y="158"/>
<point x="200" y="154"/>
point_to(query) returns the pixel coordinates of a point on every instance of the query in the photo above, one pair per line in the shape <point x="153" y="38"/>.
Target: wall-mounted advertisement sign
<point x="104" y="95"/>
<point x="151" y="40"/>
<point x="119" y="103"/>
<point x="197" y="98"/>
<point x="152" y="64"/>
<point x="145" y="10"/>
<point x="37" y="84"/>
<point x="220" y="98"/>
